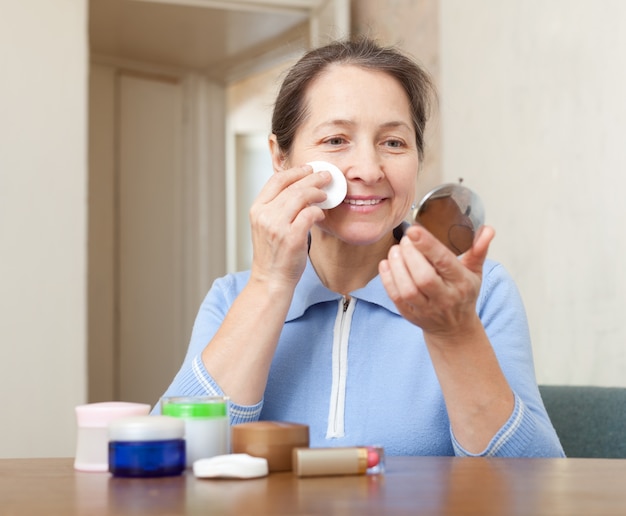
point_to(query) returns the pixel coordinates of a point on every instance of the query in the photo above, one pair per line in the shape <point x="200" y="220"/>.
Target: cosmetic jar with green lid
<point x="207" y="424"/>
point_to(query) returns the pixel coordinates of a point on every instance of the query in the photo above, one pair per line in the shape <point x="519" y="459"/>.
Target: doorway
<point x="162" y="180"/>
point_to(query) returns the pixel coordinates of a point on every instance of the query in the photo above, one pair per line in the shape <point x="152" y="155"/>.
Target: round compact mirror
<point x="453" y="214"/>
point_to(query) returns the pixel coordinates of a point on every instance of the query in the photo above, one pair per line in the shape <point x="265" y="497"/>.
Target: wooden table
<point x="411" y="485"/>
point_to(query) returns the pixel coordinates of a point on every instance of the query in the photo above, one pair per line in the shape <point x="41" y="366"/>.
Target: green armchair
<point x="590" y="421"/>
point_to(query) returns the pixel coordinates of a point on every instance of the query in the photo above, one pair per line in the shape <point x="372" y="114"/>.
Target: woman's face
<point x="360" y="121"/>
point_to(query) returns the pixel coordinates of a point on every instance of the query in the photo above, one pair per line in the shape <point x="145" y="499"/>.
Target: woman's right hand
<point x="280" y="219"/>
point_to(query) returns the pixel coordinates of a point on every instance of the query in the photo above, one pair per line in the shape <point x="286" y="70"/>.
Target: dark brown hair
<point x="290" y="109"/>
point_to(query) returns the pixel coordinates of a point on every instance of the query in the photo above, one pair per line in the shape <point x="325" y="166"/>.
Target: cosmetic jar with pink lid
<point x="92" y="439"/>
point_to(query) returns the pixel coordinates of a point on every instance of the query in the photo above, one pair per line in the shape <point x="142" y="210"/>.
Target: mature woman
<point x="366" y="330"/>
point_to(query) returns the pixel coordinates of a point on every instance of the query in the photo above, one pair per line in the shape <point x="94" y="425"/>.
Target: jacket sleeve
<point x="529" y="431"/>
<point x="192" y="378"/>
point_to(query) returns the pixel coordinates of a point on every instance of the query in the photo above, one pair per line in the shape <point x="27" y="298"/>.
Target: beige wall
<point x="533" y="117"/>
<point x="43" y="206"/>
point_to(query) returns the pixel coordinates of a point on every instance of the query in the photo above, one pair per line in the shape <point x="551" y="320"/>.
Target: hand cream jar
<point x="272" y="440"/>
<point x="207" y="424"/>
<point x="93" y="421"/>
<point x="146" y="446"/>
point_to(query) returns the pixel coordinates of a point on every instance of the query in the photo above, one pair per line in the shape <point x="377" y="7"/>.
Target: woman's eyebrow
<point x="342" y="122"/>
<point x="396" y="124"/>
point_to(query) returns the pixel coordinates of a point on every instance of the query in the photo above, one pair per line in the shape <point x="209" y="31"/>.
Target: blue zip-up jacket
<point x="358" y="373"/>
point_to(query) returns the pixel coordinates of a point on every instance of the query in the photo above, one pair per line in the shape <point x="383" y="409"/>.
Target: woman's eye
<point x="394" y="143"/>
<point x="336" y="140"/>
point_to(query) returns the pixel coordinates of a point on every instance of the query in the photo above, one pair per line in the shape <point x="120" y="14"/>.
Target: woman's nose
<point x="365" y="167"/>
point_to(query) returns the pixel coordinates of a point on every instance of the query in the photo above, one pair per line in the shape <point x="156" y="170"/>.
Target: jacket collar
<point x="310" y="290"/>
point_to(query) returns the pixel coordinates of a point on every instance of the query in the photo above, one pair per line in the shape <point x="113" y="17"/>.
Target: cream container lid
<point x="191" y="407"/>
<point x="102" y="413"/>
<point x="146" y="428"/>
<point x="271" y="432"/>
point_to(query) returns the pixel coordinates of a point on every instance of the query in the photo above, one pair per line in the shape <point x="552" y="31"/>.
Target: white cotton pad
<point x="336" y="190"/>
<point x="233" y="465"/>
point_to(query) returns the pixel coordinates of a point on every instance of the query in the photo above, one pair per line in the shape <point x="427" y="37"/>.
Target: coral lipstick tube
<point x="358" y="460"/>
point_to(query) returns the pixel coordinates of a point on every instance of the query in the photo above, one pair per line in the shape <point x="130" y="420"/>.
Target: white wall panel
<point x="43" y="234"/>
<point x="534" y="118"/>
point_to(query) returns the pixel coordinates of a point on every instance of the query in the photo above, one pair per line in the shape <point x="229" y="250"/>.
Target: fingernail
<point x="414" y="235"/>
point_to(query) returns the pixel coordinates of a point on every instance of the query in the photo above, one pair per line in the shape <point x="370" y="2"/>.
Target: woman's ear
<point x="278" y="157"/>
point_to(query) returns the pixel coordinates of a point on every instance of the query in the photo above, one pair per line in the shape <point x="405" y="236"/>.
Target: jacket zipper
<point x="341" y="333"/>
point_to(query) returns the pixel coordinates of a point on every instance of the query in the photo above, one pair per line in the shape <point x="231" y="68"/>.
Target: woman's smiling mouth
<point x="362" y="202"/>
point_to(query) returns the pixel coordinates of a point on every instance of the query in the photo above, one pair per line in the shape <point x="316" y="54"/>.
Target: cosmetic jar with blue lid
<point x="147" y="446"/>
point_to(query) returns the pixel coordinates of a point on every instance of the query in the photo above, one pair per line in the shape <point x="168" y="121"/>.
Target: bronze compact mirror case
<point x="453" y="213"/>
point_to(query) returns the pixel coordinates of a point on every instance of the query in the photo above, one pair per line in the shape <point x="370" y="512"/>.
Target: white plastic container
<point x="207" y="424"/>
<point x="92" y="440"/>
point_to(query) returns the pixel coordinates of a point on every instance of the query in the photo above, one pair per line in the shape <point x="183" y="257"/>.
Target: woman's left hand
<point x="432" y="287"/>
<point x="437" y="291"/>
